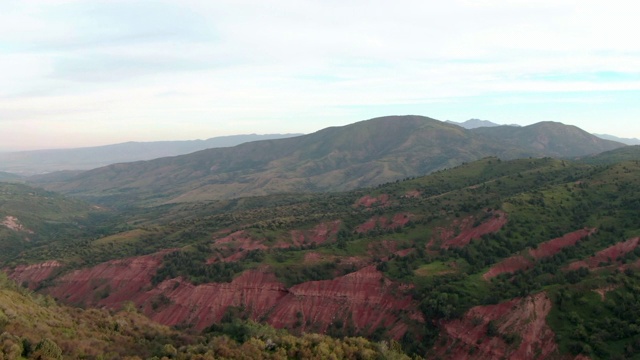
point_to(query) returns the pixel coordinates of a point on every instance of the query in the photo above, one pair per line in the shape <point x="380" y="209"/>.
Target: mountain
<point x="527" y="258"/>
<point x="362" y="154"/>
<point x="551" y="138"/>
<point x="627" y="141"/>
<point x="31" y="217"/>
<point x="476" y="123"/>
<point x="627" y="153"/>
<point x="473" y="123"/>
<point x="43" y="161"/>
<point x="5" y="176"/>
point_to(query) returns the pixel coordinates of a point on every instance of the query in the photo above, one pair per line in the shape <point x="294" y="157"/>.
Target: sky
<point x="86" y="73"/>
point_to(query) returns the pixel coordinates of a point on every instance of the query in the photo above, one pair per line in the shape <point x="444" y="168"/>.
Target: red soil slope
<point x="552" y="247"/>
<point x="546" y="249"/>
<point x="466" y="232"/>
<point x="365" y="297"/>
<point x="33" y="274"/>
<point x="320" y="234"/>
<point x="508" y="265"/>
<point x="202" y="305"/>
<point x="368" y="200"/>
<point x="467" y="338"/>
<point x="604" y="256"/>
<point x="110" y="283"/>
<point x="240" y="241"/>
<point x="398" y="220"/>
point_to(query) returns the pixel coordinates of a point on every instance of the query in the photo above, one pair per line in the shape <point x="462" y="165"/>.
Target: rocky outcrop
<point x="12" y="223"/>
<point x="32" y="275"/>
<point x="515" y="329"/>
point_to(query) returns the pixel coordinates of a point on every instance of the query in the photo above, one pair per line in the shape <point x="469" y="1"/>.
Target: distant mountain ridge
<point x="366" y="153"/>
<point x="43" y="161"/>
<point x="477" y="123"/>
<point x="5" y="176"/>
<point x="553" y="138"/>
<point x="628" y="141"/>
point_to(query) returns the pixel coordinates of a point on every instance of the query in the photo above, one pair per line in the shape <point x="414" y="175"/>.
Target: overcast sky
<point x="83" y="73"/>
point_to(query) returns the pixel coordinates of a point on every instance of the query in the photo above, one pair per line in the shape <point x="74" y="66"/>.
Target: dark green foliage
<point x="542" y="199"/>
<point x="296" y="274"/>
<point x="193" y="266"/>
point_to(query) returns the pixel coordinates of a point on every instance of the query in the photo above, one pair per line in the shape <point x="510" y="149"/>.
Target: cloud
<point x="242" y="65"/>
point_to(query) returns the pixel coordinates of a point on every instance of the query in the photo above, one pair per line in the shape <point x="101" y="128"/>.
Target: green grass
<point x="435" y="268"/>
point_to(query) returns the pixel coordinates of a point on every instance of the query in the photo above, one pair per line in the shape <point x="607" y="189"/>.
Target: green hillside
<point x="363" y="154"/>
<point x="31" y="217"/>
<point x="485" y="233"/>
<point x="36" y="327"/>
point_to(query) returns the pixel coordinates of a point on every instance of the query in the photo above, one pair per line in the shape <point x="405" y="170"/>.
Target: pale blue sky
<point x="82" y="73"/>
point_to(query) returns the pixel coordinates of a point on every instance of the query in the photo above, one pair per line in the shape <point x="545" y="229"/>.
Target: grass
<point x="122" y="238"/>
<point x="435" y="268"/>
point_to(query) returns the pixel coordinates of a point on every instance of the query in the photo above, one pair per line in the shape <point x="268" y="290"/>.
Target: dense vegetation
<point x="344" y="158"/>
<point x="35" y="327"/>
<point x="542" y="199"/>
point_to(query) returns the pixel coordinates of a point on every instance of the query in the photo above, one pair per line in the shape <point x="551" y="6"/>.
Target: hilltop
<point x="362" y="154"/>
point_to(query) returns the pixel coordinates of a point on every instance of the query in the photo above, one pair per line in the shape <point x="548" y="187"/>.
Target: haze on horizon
<point x="88" y="73"/>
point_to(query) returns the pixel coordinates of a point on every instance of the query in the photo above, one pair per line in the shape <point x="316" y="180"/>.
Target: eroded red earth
<point x="32" y="275"/>
<point x="462" y="232"/>
<point x="521" y="318"/>
<point x="108" y="284"/>
<point x="383" y="222"/>
<point x="365" y="297"/>
<point x="368" y="200"/>
<point x="257" y="291"/>
<point x="607" y="255"/>
<point x="546" y="249"/>
<point x="320" y="234"/>
<point x="508" y="265"/>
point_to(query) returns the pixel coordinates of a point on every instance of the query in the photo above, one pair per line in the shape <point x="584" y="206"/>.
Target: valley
<point x="521" y="243"/>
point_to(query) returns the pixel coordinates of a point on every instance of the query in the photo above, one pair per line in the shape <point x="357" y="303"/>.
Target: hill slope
<point x="551" y="138"/>
<point x="366" y="153"/>
<point x="35" y="327"/>
<point x="31" y="217"/>
<point x="43" y="161"/>
<point x="491" y="258"/>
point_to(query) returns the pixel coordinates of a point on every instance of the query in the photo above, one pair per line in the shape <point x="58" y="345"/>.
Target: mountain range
<point x="628" y="141"/>
<point x="45" y="161"/>
<point x="519" y="242"/>
<point x="476" y="123"/>
<point x="362" y="154"/>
